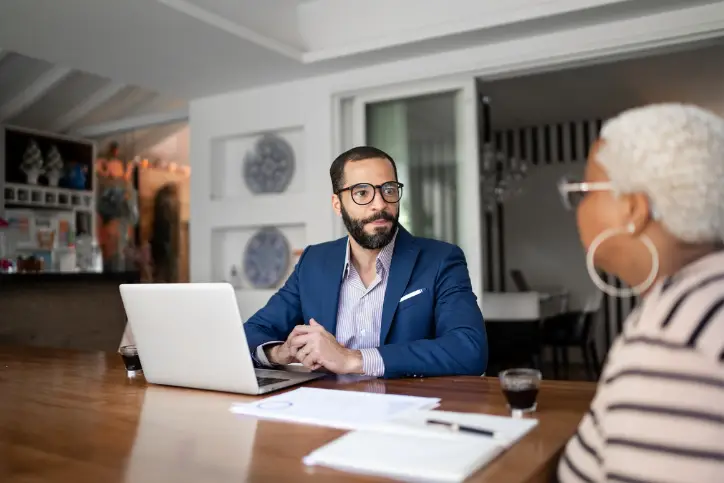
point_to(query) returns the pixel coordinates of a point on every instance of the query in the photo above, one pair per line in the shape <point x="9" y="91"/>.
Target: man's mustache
<point x="380" y="215"/>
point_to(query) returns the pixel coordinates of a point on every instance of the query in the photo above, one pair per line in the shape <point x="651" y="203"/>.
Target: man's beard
<point x="382" y="236"/>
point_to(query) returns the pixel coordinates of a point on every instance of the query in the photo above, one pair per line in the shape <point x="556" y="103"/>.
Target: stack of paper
<point x="393" y="436"/>
<point x="334" y="408"/>
<point x="407" y="448"/>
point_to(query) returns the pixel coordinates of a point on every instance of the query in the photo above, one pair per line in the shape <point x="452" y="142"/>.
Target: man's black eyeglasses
<point x="364" y="193"/>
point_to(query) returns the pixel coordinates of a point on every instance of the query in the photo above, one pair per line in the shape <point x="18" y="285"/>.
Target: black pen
<point x="462" y="429"/>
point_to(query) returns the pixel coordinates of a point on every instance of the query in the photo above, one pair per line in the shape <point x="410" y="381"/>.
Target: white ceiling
<point x="42" y="96"/>
<point x="194" y="48"/>
<point x="138" y="42"/>
<point x="95" y="68"/>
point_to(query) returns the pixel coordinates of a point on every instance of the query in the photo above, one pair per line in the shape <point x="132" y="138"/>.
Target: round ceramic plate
<point x="266" y="258"/>
<point x="269" y="167"/>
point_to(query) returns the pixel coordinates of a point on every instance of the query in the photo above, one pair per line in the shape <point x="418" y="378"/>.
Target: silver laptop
<point x="191" y="335"/>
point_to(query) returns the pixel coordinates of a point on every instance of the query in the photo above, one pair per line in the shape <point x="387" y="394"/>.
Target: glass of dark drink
<point x="129" y="354"/>
<point x="520" y="387"/>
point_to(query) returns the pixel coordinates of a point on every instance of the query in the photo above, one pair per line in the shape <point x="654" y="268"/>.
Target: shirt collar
<point x="384" y="258"/>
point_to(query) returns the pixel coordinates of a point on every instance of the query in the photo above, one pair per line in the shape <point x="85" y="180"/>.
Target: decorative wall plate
<point x="266" y="258"/>
<point x="269" y="167"/>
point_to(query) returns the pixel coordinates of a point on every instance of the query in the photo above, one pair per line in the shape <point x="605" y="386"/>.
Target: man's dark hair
<point x="336" y="171"/>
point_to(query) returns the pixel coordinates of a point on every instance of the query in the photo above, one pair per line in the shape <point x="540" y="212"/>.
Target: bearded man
<point x="378" y="302"/>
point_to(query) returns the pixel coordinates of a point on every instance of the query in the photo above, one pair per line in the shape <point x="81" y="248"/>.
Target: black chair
<point x="513" y="327"/>
<point x="574" y="330"/>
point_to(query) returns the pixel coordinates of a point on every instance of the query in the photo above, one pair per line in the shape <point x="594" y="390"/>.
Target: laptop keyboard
<point x="265" y="381"/>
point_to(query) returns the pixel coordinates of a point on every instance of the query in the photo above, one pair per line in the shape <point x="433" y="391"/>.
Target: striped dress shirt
<point x="359" y="313"/>
<point x="658" y="413"/>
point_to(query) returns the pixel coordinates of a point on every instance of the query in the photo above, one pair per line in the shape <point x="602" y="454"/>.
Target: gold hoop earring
<point x="610" y="289"/>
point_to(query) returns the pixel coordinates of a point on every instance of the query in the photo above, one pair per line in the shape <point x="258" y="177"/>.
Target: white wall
<point x="300" y="105"/>
<point x="310" y="105"/>
<point x="541" y="238"/>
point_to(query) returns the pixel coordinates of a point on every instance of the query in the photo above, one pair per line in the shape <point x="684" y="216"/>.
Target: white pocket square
<point x="412" y="294"/>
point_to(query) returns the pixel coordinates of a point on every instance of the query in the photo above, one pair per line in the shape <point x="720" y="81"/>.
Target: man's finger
<point x="307" y="329"/>
<point x="294" y="348"/>
<point x="299" y="329"/>
<point x="300" y="340"/>
<point x="310" y="360"/>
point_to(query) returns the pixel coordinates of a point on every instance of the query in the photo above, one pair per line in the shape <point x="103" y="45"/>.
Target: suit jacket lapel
<point x="403" y="261"/>
<point x="330" y="284"/>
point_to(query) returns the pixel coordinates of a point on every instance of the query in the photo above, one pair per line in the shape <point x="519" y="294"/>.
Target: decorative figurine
<point x="54" y="166"/>
<point x="32" y="164"/>
<point x="76" y="176"/>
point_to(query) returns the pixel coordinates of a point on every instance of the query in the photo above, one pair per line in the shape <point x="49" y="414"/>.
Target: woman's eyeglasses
<point x="572" y="192"/>
<point x="364" y="193"/>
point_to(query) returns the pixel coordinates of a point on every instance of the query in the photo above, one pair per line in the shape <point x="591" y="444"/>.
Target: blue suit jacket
<point x="436" y="333"/>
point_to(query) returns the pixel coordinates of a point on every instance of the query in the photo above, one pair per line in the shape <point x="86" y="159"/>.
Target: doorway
<point x="548" y="121"/>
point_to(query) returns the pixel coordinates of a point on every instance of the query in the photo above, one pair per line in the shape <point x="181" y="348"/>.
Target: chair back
<point x="521" y="284"/>
<point x="588" y="315"/>
<point x="593" y="302"/>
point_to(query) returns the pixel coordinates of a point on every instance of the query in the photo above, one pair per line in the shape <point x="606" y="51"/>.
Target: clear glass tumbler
<point x="129" y="353"/>
<point x="520" y="387"/>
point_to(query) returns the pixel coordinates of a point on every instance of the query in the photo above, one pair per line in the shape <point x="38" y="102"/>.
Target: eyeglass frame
<point x="565" y="186"/>
<point x="377" y="187"/>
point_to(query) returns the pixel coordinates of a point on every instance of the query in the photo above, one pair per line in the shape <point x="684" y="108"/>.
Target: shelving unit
<point x="65" y="210"/>
<point x="37" y="196"/>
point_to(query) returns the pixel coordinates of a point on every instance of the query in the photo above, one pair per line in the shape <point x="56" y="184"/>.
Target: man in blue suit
<point x="379" y="302"/>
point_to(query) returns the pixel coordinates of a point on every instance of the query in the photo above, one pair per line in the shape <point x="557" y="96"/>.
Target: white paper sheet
<point x="408" y="449"/>
<point x="334" y="408"/>
<point x="507" y="430"/>
<point x="406" y="457"/>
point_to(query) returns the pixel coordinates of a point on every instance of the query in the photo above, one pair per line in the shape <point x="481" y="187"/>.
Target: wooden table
<point x="75" y="416"/>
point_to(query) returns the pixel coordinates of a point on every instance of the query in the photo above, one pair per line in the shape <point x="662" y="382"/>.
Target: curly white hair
<point x="674" y="153"/>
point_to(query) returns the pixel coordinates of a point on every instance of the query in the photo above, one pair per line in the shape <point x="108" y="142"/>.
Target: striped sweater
<point x="658" y="413"/>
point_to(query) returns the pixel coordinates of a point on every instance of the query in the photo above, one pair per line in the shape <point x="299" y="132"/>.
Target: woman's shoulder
<point x="688" y="309"/>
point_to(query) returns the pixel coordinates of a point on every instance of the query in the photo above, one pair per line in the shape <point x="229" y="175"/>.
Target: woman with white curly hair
<point x="651" y="212"/>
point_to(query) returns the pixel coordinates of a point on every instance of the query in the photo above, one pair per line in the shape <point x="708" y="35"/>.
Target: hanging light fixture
<point x="500" y="175"/>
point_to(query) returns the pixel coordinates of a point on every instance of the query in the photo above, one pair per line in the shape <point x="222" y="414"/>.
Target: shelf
<point x="242" y="167"/>
<point x="49" y="197"/>
<point x="228" y="250"/>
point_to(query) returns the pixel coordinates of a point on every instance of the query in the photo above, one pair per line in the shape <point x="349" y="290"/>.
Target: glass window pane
<point x="419" y="134"/>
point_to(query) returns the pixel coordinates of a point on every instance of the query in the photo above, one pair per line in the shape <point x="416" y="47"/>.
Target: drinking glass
<point x="129" y="353"/>
<point x="520" y="387"/>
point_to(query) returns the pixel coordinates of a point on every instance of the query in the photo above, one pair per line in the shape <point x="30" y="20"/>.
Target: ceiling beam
<point x="233" y="28"/>
<point x="132" y="123"/>
<point x="33" y="92"/>
<point x="98" y="98"/>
